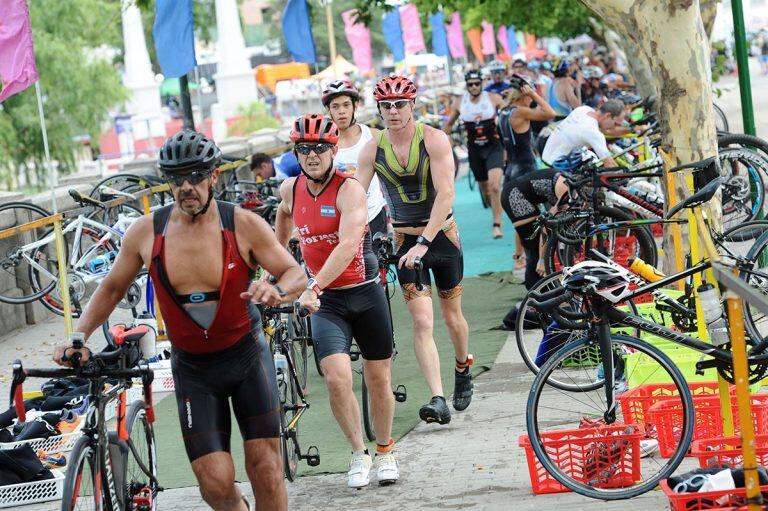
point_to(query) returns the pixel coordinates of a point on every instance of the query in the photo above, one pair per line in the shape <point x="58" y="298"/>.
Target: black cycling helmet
<point x="473" y="74"/>
<point x="188" y="150"/>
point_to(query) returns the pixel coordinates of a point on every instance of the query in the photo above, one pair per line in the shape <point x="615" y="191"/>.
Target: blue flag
<point x="512" y="40"/>
<point x="298" y="32"/>
<point x="174" y="37"/>
<point x="393" y="34"/>
<point x="439" y="37"/>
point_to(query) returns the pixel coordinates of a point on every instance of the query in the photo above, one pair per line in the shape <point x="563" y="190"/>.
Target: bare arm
<point x="545" y="111"/>
<point x="570" y="95"/>
<point x="114" y="286"/>
<point x="496" y="100"/>
<point x="284" y="219"/>
<point x="351" y="204"/>
<point x="365" y="161"/>
<point x="442" y="170"/>
<point x="455" y="111"/>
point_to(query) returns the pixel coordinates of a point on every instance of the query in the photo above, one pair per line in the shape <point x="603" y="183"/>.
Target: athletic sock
<point x="382" y="449"/>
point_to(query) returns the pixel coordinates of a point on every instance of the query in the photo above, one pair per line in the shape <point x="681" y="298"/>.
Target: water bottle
<point x="713" y="315"/>
<point x="281" y="366"/>
<point x="148" y="342"/>
<point x="645" y="270"/>
<point x="99" y="263"/>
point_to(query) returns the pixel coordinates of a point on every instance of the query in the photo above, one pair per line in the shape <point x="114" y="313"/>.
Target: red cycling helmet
<point x="394" y="87"/>
<point x="339" y="88"/>
<point x="314" y="128"/>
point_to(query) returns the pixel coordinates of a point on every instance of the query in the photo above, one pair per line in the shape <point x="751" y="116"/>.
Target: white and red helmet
<point x="608" y="281"/>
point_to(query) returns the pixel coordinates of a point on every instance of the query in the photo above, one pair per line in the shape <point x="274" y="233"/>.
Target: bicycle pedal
<point x="313" y="456"/>
<point x="400" y="394"/>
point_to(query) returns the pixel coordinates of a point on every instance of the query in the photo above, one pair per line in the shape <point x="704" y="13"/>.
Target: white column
<point x="144" y="103"/>
<point x="235" y="79"/>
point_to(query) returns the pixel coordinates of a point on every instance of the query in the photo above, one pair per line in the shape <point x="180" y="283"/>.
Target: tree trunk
<point x="708" y="14"/>
<point x="669" y="35"/>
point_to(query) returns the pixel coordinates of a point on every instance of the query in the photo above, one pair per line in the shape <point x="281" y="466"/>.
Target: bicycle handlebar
<point x="294" y="308"/>
<point x="549" y="303"/>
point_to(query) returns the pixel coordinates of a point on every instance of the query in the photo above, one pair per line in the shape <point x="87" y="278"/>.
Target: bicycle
<point x="293" y="404"/>
<point x="622" y="359"/>
<point x="114" y="470"/>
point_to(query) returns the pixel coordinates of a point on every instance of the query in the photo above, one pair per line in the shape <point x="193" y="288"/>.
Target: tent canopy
<point x="343" y="67"/>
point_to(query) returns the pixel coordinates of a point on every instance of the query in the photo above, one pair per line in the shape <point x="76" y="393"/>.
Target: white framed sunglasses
<point x="398" y="104"/>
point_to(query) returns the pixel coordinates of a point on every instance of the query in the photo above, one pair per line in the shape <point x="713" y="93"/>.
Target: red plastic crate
<point x="636" y="402"/>
<point x="666" y="415"/>
<point x="573" y="449"/>
<point x="713" y="500"/>
<point x="727" y="451"/>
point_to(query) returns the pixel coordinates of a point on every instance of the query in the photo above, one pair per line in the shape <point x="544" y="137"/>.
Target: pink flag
<point x="359" y="39"/>
<point x="501" y="35"/>
<point x="412" y="36"/>
<point x="456" y="37"/>
<point x="487" y="39"/>
<point x="17" y="55"/>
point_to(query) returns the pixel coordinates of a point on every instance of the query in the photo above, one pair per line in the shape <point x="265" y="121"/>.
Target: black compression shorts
<point x="361" y="312"/>
<point x="444" y="258"/>
<point x="485" y="158"/>
<point x="243" y="373"/>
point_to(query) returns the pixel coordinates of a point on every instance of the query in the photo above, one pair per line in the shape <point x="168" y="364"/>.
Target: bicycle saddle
<point x="695" y="166"/>
<point x="83" y="199"/>
<point x="698" y="198"/>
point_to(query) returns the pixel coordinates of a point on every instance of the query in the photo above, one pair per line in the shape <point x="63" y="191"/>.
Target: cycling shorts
<point x="361" y="312"/>
<point x="243" y="373"/>
<point x="485" y="158"/>
<point x="445" y="259"/>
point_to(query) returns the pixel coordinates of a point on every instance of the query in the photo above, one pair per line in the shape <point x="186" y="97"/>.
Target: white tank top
<point x="475" y="112"/>
<point x="346" y="161"/>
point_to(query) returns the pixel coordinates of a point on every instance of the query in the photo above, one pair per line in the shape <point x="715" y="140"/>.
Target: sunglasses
<point x="194" y="178"/>
<point x="474" y="84"/>
<point x="305" y="149"/>
<point x="398" y="104"/>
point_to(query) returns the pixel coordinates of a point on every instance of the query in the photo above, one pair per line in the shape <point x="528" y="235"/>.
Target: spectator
<point x="262" y="167"/>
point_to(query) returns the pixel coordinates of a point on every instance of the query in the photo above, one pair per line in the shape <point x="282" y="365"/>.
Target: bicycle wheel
<point x="298" y="346"/>
<point x="289" y="433"/>
<point x="756" y="274"/>
<point x="598" y="458"/>
<point x="16" y="253"/>
<point x="721" y="121"/>
<point x="370" y="434"/>
<point x="743" y="196"/>
<point x="141" y="465"/>
<point x="81" y="489"/>
<point x="471" y="179"/>
<point x="539" y="337"/>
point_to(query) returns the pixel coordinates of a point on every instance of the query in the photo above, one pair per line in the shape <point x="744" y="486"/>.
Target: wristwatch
<point x="421" y="240"/>
<point x="314" y="286"/>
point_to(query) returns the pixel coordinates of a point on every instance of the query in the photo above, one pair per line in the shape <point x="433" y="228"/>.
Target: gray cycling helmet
<point x="188" y="150"/>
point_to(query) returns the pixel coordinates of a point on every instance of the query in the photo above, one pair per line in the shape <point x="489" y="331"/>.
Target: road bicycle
<point x="108" y="470"/>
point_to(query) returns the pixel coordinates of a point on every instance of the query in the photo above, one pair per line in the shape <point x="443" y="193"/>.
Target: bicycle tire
<point x="721" y="120"/>
<point x="755" y="322"/>
<point x="483" y="199"/>
<point x="370" y="433"/>
<point x="18" y="269"/>
<point x="742" y="193"/>
<point x="82" y="458"/>
<point x="471" y="179"/>
<point x="541" y="394"/>
<point x="288" y="437"/>
<point x="145" y="447"/>
<point x="299" y="350"/>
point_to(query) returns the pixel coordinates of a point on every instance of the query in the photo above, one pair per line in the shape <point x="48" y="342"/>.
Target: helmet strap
<point x="197" y="214"/>
<point x="317" y="180"/>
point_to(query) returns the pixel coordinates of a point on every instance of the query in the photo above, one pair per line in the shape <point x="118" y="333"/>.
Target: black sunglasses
<point x="474" y="84"/>
<point x="399" y="104"/>
<point x="305" y="149"/>
<point x="194" y="178"/>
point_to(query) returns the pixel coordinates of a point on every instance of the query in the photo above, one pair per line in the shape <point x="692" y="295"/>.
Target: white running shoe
<point x="386" y="468"/>
<point x="359" y="474"/>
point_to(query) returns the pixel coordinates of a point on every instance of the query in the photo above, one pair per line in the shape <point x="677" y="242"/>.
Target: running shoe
<point x="435" y="411"/>
<point x="386" y="468"/>
<point x="49" y="461"/>
<point x="462" y="390"/>
<point x="359" y="474"/>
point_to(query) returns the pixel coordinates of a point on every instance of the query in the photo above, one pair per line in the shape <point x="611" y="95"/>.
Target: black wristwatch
<point x="421" y="240"/>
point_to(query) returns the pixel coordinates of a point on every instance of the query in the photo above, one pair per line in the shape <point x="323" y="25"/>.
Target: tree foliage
<point x="79" y="87"/>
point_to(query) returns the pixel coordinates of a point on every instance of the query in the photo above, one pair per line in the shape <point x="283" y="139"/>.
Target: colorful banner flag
<point x="359" y="39"/>
<point x="298" y="31"/>
<point x="512" y="45"/>
<point x="473" y="34"/>
<point x="487" y="39"/>
<point x="393" y="34"/>
<point x="456" y="37"/>
<point x="501" y="36"/>
<point x="174" y="37"/>
<point x="17" y="54"/>
<point x="439" y="37"/>
<point x="412" y="35"/>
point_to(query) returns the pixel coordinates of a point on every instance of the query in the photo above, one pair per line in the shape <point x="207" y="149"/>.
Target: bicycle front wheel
<point x="595" y="449"/>
<point x="299" y="351"/>
<point x="370" y="434"/>
<point x="141" y="465"/>
<point x="289" y="432"/>
<point x="81" y="484"/>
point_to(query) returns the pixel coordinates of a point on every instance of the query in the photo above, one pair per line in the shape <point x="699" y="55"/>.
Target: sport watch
<point x="314" y="286"/>
<point x="421" y="240"/>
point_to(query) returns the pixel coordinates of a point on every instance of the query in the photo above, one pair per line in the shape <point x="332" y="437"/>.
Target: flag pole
<point x="52" y="173"/>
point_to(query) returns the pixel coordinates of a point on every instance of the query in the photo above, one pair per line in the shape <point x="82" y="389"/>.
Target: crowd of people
<point x="348" y="183"/>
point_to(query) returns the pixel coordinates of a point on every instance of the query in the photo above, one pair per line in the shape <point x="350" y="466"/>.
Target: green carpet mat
<point x="486" y="300"/>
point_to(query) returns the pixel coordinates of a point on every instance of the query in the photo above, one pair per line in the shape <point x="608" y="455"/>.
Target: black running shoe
<point x="435" y="411"/>
<point x="462" y="390"/>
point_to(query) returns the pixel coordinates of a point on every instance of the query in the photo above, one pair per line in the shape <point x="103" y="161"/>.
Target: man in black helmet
<point x="200" y="253"/>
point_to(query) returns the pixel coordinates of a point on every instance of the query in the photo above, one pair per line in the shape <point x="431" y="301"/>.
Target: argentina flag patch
<point x="327" y="211"/>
